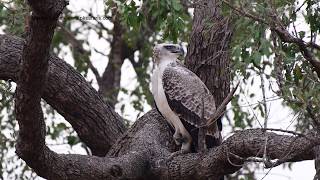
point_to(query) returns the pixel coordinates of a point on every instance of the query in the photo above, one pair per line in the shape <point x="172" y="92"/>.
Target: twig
<point x="264" y="102"/>
<point x="286" y="131"/>
<point x="236" y="156"/>
<point x="254" y="114"/>
<point x="246" y="14"/>
<point x="299" y="8"/>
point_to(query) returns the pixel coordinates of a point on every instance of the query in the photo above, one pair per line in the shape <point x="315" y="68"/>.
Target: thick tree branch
<point x="47" y="9"/>
<point x="30" y="86"/>
<point x="68" y="92"/>
<point x="207" y="54"/>
<point x="142" y="151"/>
<point x="150" y="134"/>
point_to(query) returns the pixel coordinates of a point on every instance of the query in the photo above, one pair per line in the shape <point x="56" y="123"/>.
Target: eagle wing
<point x="187" y="95"/>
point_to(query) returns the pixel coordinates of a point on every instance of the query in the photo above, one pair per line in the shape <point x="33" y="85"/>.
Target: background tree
<point x="272" y="53"/>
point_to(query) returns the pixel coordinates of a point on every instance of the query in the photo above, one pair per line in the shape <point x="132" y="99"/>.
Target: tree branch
<point x="68" y="92"/>
<point x="77" y="45"/>
<point x="110" y="80"/>
<point x="142" y="151"/>
<point x="150" y="134"/>
<point x="276" y="25"/>
<point x="30" y="86"/>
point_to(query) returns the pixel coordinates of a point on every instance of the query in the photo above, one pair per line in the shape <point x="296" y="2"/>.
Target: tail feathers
<point x="214" y="131"/>
<point x="213" y="136"/>
<point x="212" y="141"/>
<point x="220" y="110"/>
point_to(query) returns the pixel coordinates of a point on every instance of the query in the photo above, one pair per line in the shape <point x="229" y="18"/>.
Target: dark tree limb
<point x="68" y="92"/>
<point x="317" y="162"/>
<point x="30" y="86"/>
<point x="150" y="134"/>
<point x="208" y="50"/>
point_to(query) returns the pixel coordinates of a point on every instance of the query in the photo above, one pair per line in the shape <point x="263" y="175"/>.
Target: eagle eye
<point x="174" y="49"/>
<point x="170" y="47"/>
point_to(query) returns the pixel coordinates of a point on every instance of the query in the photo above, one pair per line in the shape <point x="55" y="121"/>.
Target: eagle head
<point x="167" y="51"/>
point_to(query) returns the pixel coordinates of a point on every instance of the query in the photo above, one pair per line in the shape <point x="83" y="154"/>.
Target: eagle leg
<point x="202" y="147"/>
<point x="183" y="138"/>
<point x="177" y="137"/>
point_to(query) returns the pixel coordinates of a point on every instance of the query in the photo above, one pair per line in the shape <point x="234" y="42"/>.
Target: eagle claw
<point x="177" y="153"/>
<point x="178" y="139"/>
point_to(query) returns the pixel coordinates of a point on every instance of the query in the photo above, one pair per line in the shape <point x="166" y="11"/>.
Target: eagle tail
<point x="220" y="110"/>
<point x="213" y="136"/>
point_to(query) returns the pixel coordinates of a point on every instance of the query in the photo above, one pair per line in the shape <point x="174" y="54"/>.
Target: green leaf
<point x="176" y="5"/>
<point x="302" y="34"/>
<point x="72" y="140"/>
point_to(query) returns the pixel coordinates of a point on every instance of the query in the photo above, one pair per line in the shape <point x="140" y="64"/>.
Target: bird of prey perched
<point x="182" y="98"/>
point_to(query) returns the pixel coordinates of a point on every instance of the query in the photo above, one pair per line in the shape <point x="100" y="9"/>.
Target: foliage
<point x="12" y="15"/>
<point x="258" y="52"/>
<point x="298" y="84"/>
<point x="166" y="16"/>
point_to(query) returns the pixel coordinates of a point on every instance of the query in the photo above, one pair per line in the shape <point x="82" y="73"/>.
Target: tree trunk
<point x="208" y="51"/>
<point x="109" y="86"/>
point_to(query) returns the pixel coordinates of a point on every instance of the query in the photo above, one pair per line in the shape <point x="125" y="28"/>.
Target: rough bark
<point x="317" y="162"/>
<point x="208" y="49"/>
<point x="30" y="85"/>
<point x="68" y="92"/>
<point x="209" y="46"/>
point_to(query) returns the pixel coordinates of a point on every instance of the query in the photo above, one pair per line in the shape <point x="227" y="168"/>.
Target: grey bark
<point x="317" y="162"/>
<point x="208" y="51"/>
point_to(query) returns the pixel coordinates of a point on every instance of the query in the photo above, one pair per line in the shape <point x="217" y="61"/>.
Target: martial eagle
<point x="181" y="96"/>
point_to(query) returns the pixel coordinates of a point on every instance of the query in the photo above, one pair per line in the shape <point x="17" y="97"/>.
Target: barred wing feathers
<point x="187" y="95"/>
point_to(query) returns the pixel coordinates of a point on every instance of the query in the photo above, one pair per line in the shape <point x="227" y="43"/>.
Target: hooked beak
<point x="178" y="50"/>
<point x="181" y="51"/>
